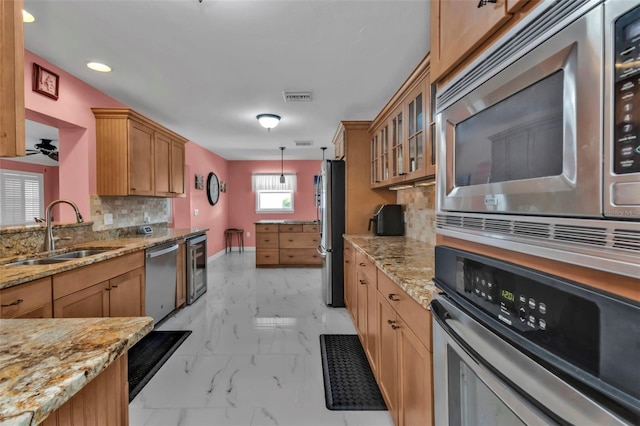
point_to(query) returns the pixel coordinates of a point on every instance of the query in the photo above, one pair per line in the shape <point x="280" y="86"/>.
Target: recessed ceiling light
<point x="97" y="66"/>
<point x="27" y="17"/>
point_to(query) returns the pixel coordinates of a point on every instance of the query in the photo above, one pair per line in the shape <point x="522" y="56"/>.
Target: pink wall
<point x="50" y="179"/>
<point x="201" y="161"/>
<point x="72" y="115"/>
<point x="242" y="211"/>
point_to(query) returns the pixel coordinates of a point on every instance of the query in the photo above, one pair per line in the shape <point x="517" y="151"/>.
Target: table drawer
<point x="310" y="228"/>
<point x="266" y="227"/>
<point x="366" y="267"/>
<point x="290" y="228"/>
<point x="267" y="240"/>
<point x="300" y="257"/>
<point x="18" y="300"/>
<point x="267" y="257"/>
<point x="414" y="315"/>
<point x="301" y="240"/>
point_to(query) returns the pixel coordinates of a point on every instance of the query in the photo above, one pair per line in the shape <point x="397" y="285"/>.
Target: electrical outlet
<point x="145" y="217"/>
<point x="248" y="234"/>
<point x="108" y="219"/>
<point x="195" y="212"/>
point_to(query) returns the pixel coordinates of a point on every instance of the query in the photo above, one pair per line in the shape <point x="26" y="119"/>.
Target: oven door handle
<point x="441" y="315"/>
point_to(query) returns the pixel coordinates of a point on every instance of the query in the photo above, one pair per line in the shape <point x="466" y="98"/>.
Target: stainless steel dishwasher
<point x="160" y="291"/>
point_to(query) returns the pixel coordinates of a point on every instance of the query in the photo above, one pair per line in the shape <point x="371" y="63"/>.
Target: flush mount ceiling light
<point x="268" y="121"/>
<point x="97" y="66"/>
<point x="282" y="180"/>
<point x="27" y="17"/>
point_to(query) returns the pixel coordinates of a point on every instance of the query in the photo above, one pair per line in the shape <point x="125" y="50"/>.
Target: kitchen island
<point x="52" y="369"/>
<point x="286" y="243"/>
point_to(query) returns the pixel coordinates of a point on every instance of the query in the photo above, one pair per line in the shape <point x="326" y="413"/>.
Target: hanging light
<point x="282" y="180"/>
<point x="323" y="149"/>
<point x="268" y="121"/>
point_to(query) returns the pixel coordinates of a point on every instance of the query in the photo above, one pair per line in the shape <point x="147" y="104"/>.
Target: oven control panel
<point x="627" y="94"/>
<point x="560" y="321"/>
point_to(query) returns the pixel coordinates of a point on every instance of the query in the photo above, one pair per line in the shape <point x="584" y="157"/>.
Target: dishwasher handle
<point x="152" y="254"/>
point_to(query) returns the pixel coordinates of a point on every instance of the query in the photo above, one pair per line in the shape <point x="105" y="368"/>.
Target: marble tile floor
<point x="254" y="355"/>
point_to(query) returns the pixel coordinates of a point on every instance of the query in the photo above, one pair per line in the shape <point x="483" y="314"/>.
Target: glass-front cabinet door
<point x="419" y="161"/>
<point x="384" y="153"/>
<point x="397" y="144"/>
<point x="375" y="169"/>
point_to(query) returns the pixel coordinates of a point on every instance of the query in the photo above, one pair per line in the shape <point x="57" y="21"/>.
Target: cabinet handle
<point x="392" y="296"/>
<point x="363" y="282"/>
<point x="267" y="256"/>
<point x="362" y="264"/>
<point x="266" y="241"/>
<point x="484" y="2"/>
<point x="347" y="261"/>
<point x="114" y="286"/>
<point x="108" y="289"/>
<point x="395" y="327"/>
<point x="290" y="241"/>
<point x="290" y="256"/>
<point x="390" y="322"/>
<point x="133" y="189"/>
<point x="17" y="302"/>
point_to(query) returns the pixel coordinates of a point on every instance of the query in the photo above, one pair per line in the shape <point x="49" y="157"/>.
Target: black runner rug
<point x="149" y="354"/>
<point x="348" y="381"/>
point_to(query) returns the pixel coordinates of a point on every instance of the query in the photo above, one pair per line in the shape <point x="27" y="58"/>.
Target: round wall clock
<point x="213" y="188"/>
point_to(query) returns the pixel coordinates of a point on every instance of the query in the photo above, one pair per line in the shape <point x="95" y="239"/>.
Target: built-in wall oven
<point x="196" y="267"/>
<point x="539" y="138"/>
<point x="514" y="346"/>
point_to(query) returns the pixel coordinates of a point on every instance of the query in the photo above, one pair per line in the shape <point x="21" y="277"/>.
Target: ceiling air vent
<point x="303" y="143"/>
<point x="297" y="95"/>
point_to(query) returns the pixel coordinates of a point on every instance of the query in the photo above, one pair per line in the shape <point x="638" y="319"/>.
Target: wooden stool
<point x="228" y="239"/>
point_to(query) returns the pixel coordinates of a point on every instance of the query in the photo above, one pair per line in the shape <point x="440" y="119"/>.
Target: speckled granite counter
<point x="13" y="275"/>
<point x="408" y="262"/>
<point x="43" y="363"/>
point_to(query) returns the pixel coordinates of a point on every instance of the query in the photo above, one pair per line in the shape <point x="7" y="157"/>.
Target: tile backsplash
<point x="420" y="208"/>
<point x="128" y="211"/>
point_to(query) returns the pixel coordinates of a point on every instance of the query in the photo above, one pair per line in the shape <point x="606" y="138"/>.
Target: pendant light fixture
<point x="282" y="180"/>
<point x="323" y="149"/>
<point x="268" y="121"/>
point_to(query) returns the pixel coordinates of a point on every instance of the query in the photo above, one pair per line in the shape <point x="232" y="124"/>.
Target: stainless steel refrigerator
<point x="331" y="214"/>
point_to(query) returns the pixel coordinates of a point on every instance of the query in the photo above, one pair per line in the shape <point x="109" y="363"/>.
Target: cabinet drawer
<point x="310" y="228"/>
<point x="300" y="257"/>
<point x="18" y="300"/>
<point x="301" y="240"/>
<point x="417" y="318"/>
<point x="290" y="228"/>
<point x="267" y="257"/>
<point x="267" y="240"/>
<point x="266" y="227"/>
<point x="366" y="267"/>
<point x="86" y="276"/>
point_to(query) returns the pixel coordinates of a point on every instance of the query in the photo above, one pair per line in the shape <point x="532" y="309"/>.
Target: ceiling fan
<point x="45" y="147"/>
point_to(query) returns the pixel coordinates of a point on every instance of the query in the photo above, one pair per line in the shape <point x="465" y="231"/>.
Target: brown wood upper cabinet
<point x="12" y="138"/>
<point x="400" y="136"/>
<point x="136" y="156"/>
<point x="458" y="28"/>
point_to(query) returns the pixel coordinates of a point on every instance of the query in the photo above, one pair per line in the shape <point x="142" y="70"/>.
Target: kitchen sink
<point x="78" y="254"/>
<point x="46" y="261"/>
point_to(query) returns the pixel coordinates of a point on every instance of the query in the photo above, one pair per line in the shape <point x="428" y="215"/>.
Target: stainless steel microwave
<point x="544" y="128"/>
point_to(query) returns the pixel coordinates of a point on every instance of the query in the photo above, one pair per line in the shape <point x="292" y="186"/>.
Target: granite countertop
<point x="44" y="362"/>
<point x="18" y="274"/>
<point x="287" y="222"/>
<point x="408" y="262"/>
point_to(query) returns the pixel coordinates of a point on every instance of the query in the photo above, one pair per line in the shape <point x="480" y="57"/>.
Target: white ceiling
<point x="205" y="70"/>
<point x="34" y="132"/>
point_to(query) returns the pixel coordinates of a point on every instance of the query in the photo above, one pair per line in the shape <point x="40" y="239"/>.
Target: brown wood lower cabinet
<point x="395" y="332"/>
<point x="103" y="401"/>
<point x="114" y="288"/>
<point x="29" y="300"/>
<point x="287" y="245"/>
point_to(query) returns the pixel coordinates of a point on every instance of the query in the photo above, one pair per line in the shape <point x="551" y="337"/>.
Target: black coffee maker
<point x="388" y="220"/>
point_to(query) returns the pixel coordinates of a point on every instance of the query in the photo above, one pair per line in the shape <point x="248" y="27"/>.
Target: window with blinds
<point x="21" y="197"/>
<point x="273" y="196"/>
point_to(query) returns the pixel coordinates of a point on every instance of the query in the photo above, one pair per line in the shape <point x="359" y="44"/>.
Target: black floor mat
<point x="149" y="354"/>
<point x="348" y="381"/>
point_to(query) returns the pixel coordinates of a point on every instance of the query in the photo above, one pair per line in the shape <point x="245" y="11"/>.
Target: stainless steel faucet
<point x="49" y="242"/>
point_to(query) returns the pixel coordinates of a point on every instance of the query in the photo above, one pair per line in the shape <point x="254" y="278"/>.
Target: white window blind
<point x="271" y="182"/>
<point x="21" y="197"/>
